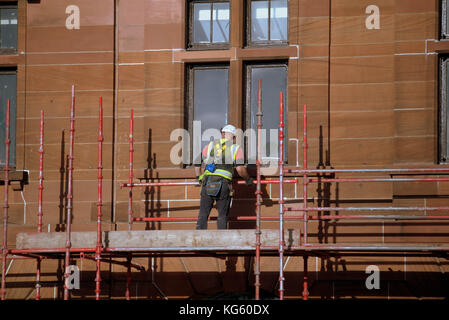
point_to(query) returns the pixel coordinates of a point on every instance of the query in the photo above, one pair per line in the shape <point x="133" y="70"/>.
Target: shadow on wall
<point x="176" y="285"/>
<point x="152" y="194"/>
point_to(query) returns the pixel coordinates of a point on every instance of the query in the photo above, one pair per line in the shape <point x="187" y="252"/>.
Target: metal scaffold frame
<point x="304" y="249"/>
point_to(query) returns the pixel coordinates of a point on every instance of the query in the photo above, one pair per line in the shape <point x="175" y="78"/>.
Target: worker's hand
<point x="200" y="182"/>
<point x="249" y="181"/>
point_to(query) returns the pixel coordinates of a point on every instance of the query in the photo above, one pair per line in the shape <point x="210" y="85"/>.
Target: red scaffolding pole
<point x="375" y="170"/>
<point x="99" y="246"/>
<point x="258" y="191"/>
<point x="39" y="210"/>
<point x="281" y="198"/>
<point x="368" y="209"/>
<point x="6" y="203"/>
<point x="324" y="180"/>
<point x="298" y="218"/>
<point x="195" y="183"/>
<point x="130" y="172"/>
<point x="69" y="196"/>
<point x="128" y="277"/>
<point x="41" y="173"/>
<point x="305" y="292"/>
<point x="130" y="200"/>
<point x="304" y="164"/>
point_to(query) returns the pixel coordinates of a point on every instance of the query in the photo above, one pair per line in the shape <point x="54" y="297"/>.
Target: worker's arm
<point x="199" y="168"/>
<point x="241" y="170"/>
<point x="198" y="171"/>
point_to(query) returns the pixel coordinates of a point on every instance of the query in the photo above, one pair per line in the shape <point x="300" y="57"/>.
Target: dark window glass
<point x="8" y="28"/>
<point x="7" y="91"/>
<point x="444" y="110"/>
<point x="278" y="20"/>
<point x="201" y="22"/>
<point x="208" y="100"/>
<point x="444" y="19"/>
<point x="209" y="26"/>
<point x="274" y="81"/>
<point x="259" y="20"/>
<point x="268" y="22"/>
<point x="220" y="18"/>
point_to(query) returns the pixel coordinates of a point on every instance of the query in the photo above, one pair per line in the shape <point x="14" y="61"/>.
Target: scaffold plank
<point x="158" y="239"/>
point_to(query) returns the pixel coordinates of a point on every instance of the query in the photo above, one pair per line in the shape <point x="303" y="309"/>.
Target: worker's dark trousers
<point x="222" y="200"/>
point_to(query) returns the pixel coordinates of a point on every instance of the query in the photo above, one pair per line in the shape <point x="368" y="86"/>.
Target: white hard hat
<point x="229" y="128"/>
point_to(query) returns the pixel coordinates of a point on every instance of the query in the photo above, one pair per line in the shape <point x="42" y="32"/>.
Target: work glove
<point x="249" y="181"/>
<point x="200" y="181"/>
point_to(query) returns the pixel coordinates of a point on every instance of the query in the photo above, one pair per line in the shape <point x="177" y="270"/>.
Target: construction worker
<point x="220" y="156"/>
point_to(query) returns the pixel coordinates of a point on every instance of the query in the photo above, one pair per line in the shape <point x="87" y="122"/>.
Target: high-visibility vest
<point x="222" y="153"/>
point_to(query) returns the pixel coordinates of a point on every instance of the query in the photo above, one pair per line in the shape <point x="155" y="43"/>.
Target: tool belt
<point x="213" y="185"/>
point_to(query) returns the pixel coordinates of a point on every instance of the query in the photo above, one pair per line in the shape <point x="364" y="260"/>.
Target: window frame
<point x="12" y="134"/>
<point x="265" y="43"/>
<point x="246" y="110"/>
<point x="190" y="45"/>
<point x="189" y="97"/>
<point x="11" y="5"/>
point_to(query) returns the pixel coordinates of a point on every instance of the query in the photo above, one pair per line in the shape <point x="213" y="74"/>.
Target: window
<point x="444" y="111"/>
<point x="267" y="22"/>
<point x="208" y="98"/>
<point x="444" y="19"/>
<point x="274" y="80"/>
<point x="8" y="29"/>
<point x="7" y="91"/>
<point x="208" y="24"/>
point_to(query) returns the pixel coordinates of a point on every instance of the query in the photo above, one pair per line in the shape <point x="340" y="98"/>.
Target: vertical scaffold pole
<point x="130" y="174"/>
<point x="6" y="203"/>
<point x="258" y="191"/>
<point x="305" y="179"/>
<point x="281" y="197"/>
<point x="130" y="198"/>
<point x="99" y="246"/>
<point x="305" y="292"/>
<point x="40" y="209"/>
<point x="41" y="174"/>
<point x="128" y="277"/>
<point x="69" y="196"/>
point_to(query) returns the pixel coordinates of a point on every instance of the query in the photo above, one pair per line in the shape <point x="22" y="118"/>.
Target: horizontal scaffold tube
<point x="277" y="181"/>
<point x="301" y="217"/>
<point x="393" y="170"/>
<point x="377" y="179"/>
<point x="183" y="219"/>
<point x="368" y="209"/>
<point x="371" y="248"/>
<point x="120" y="263"/>
<point x="194" y="183"/>
<point x="305" y="247"/>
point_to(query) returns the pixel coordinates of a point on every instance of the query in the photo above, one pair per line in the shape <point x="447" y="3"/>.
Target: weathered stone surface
<point x="174" y="239"/>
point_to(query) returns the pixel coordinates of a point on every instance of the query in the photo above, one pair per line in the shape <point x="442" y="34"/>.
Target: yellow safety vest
<point x="217" y="151"/>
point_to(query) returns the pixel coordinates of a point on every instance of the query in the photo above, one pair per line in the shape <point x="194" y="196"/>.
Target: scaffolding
<point x="305" y="249"/>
